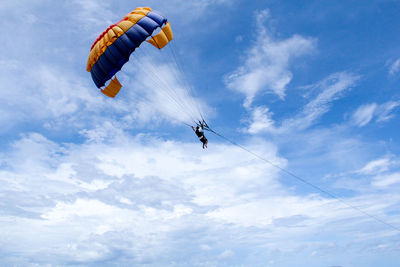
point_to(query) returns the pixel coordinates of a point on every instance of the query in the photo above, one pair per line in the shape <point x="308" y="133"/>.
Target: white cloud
<point x="46" y="93"/>
<point x="264" y="212"/>
<point x="380" y="173"/>
<point x="226" y="254"/>
<point x="385" y="111"/>
<point x="331" y="89"/>
<point x="267" y="62"/>
<point x="92" y="14"/>
<point x="144" y="190"/>
<point x="189" y="10"/>
<point x="364" y="114"/>
<point x="369" y="112"/>
<point x="377" y="166"/>
<point x="138" y="194"/>
<point x="260" y="120"/>
<point x="387" y="180"/>
<point x="394" y="68"/>
<point x="9" y="6"/>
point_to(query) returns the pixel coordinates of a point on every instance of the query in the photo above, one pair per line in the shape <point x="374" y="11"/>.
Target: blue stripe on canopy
<point x="117" y="54"/>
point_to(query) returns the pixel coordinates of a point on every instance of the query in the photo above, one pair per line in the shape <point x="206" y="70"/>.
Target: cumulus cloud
<point x="85" y="193"/>
<point x="378" y="112"/>
<point x="121" y="194"/>
<point x="46" y="93"/>
<point x="266" y="67"/>
<point x="261" y="213"/>
<point x="125" y="189"/>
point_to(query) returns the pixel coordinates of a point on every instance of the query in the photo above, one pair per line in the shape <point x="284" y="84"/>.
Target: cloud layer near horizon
<point x="125" y="190"/>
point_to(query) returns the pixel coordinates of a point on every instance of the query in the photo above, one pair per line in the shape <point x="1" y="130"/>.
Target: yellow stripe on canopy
<point x="113" y="33"/>
<point x="113" y="88"/>
<point x="163" y="37"/>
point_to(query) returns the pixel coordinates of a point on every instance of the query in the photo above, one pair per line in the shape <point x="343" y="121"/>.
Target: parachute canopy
<point x="111" y="50"/>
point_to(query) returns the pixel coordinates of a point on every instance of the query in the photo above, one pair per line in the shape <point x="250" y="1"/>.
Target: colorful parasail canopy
<point x="111" y="50"/>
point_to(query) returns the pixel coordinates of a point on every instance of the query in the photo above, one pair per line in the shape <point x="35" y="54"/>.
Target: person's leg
<point x="205" y="141"/>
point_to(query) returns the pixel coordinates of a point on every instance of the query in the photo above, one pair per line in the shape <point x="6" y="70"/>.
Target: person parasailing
<point x="200" y="134"/>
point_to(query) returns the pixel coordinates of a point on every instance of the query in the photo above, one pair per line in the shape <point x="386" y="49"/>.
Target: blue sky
<point x="312" y="86"/>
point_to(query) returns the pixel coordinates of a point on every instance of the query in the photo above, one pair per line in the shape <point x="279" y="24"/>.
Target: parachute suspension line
<point x="172" y="109"/>
<point x="188" y="84"/>
<point x="180" y="77"/>
<point x="172" y="91"/>
<point x="147" y="99"/>
<point x="305" y="181"/>
<point x="140" y="97"/>
<point x="177" y="78"/>
<point x="165" y="87"/>
<point x="151" y="73"/>
<point x="192" y="102"/>
<point x="189" y="87"/>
